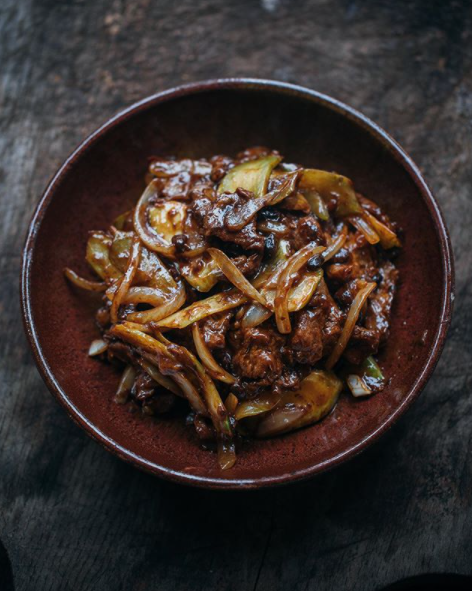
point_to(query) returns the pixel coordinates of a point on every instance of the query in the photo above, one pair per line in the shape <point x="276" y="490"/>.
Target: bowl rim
<point x="251" y="84"/>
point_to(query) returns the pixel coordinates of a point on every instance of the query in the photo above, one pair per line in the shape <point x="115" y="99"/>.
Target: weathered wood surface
<point x="74" y="517"/>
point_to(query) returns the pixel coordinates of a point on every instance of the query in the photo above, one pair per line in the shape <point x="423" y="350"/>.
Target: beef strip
<point x="121" y="351"/>
<point x="366" y="340"/>
<point x="334" y="318"/>
<point x="258" y="354"/>
<point x="380" y="302"/>
<point x="143" y="387"/>
<point x="375" y="210"/>
<point x="254" y="153"/>
<point x="298" y="229"/>
<point x="306" y="338"/>
<point x="214" y="329"/>
<point x="219" y="167"/>
<point x="363" y="342"/>
<point x="289" y="380"/>
<point x="211" y="214"/>
<point x="179" y="176"/>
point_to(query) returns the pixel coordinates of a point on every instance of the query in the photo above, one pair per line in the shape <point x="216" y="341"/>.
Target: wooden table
<point x="73" y="517"/>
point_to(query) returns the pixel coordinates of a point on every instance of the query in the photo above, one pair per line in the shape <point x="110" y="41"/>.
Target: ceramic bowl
<point x="105" y="176"/>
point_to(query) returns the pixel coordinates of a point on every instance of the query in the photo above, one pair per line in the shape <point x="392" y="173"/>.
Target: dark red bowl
<point x="104" y="177"/>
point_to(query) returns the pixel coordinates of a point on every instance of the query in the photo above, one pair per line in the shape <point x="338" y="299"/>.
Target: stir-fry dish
<point x="243" y="294"/>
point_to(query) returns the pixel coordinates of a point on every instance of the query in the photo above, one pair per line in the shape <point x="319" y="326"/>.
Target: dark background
<point x="73" y="517"/>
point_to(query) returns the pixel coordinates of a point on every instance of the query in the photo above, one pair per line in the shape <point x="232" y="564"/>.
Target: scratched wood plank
<point x="72" y="517"/>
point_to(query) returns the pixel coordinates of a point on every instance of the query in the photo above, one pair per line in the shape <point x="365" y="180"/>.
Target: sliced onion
<point x="175" y="302"/>
<point x="226" y="454"/>
<point x="191" y="393"/>
<point x="298" y="298"/>
<point x="388" y="238"/>
<point x="84" y="283"/>
<point x="272" y="227"/>
<point x="98" y="256"/>
<point x="336" y="245"/>
<point x="202" y="274"/>
<point x="256" y="406"/>
<point x="158" y="377"/>
<point x="139" y="327"/>
<point x="127" y="279"/>
<point x="148" y="236"/>
<point x="97" y="347"/>
<point x="145" y="295"/>
<point x="130" y="335"/>
<point x="357" y="386"/>
<point x="296" y="202"/>
<point x="125" y="385"/>
<point x="231" y="403"/>
<point x="255" y="315"/>
<point x="317" y="205"/>
<point x="353" y="315"/>
<point x="207" y="358"/>
<point x="203" y="308"/>
<point x="315" y="398"/>
<point x="281" y="420"/>
<point x="270" y="272"/>
<point x="364" y="228"/>
<point x="167" y="219"/>
<point x="215" y="405"/>
<point x="287" y="277"/>
<point x="300" y="295"/>
<point x="234" y="275"/>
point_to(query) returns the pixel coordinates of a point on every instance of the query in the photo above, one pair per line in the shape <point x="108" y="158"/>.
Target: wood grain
<point x="72" y="517"/>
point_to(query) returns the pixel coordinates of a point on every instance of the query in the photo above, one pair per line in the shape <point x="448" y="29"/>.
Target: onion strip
<point x="97" y="347"/>
<point x="203" y="308"/>
<point x="348" y="327"/>
<point x="256" y="406"/>
<point x="158" y="377"/>
<point x="287" y="277"/>
<point x="233" y="274"/>
<point x="125" y="385"/>
<point x="336" y="245"/>
<point x="152" y="345"/>
<point x="231" y="403"/>
<point x="127" y="279"/>
<point x="164" y="310"/>
<point x="226" y="454"/>
<point x="388" y="238"/>
<point x="365" y="228"/>
<point x="215" y="406"/>
<point x="357" y="386"/>
<point x="84" y="283"/>
<point x="144" y="295"/>
<point x="146" y="233"/>
<point x="207" y="358"/>
<point x="298" y="298"/>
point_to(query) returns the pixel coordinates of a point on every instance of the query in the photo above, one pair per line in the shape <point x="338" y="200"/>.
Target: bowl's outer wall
<point x="107" y="177"/>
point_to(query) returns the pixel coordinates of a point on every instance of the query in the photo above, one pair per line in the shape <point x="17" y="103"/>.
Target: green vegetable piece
<point x="98" y="256"/>
<point x="318" y="206"/>
<point x="251" y="176"/>
<point x="202" y="273"/>
<point x="371" y="373"/>
<point x="317" y="395"/>
<point x="330" y="185"/>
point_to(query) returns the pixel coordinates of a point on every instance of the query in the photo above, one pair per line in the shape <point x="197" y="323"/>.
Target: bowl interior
<point x="105" y="178"/>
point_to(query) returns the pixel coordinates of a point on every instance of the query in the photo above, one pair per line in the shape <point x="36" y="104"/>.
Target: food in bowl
<point x="245" y="293"/>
